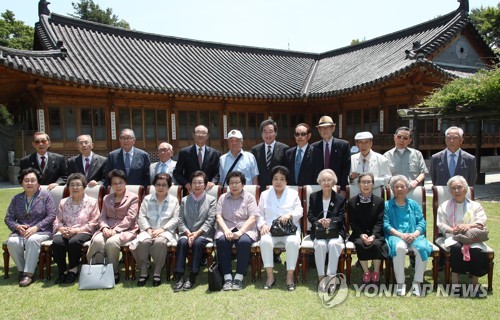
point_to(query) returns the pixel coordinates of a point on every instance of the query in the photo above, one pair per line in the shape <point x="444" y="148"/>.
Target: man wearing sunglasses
<point x="406" y="161"/>
<point x="299" y="159"/>
<point x="52" y="166"/>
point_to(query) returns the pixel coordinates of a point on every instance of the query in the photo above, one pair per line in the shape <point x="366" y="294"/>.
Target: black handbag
<point x="327" y="233"/>
<point x="215" y="280"/>
<point x="279" y="229"/>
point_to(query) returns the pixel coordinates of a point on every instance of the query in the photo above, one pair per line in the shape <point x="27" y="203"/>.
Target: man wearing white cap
<point x="368" y="160"/>
<point x="243" y="161"/>
<point x="334" y="153"/>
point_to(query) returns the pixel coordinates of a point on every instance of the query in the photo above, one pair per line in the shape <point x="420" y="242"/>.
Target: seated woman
<point x="30" y="217"/>
<point x="404" y="227"/>
<point x="196" y="230"/>
<point x="75" y="223"/>
<point x="366" y="217"/>
<point x="327" y="207"/>
<point x="117" y="223"/>
<point x="456" y="216"/>
<point x="158" y="219"/>
<point x="283" y="203"/>
<point x="236" y="216"/>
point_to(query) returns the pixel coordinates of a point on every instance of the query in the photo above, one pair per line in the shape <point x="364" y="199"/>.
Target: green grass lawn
<point x="45" y="300"/>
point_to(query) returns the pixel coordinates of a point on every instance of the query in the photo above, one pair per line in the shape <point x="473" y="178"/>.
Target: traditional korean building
<point x="88" y="78"/>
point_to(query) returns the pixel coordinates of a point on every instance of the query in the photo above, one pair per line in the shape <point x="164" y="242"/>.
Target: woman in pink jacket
<point x="118" y="221"/>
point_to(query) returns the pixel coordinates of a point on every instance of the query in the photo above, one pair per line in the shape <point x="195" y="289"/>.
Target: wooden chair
<point x="440" y="195"/>
<point x="418" y="194"/>
<point x="350" y="248"/>
<point x="307" y="245"/>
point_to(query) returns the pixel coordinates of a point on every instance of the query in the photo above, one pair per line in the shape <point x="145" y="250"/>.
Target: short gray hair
<point x="397" y="178"/>
<point x="460" y="131"/>
<point x="458" y="179"/>
<point x="326" y="171"/>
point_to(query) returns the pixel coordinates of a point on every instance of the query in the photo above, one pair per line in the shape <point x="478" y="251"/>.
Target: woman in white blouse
<point x="283" y="203"/>
<point x="158" y="218"/>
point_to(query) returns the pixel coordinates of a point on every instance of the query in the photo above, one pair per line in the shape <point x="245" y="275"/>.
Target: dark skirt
<point x="377" y="250"/>
<point x="477" y="266"/>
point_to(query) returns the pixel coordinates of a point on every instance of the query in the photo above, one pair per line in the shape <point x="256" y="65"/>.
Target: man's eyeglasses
<point x="300" y="134"/>
<point x="43" y="141"/>
<point x="126" y="138"/>
<point x="402" y="137"/>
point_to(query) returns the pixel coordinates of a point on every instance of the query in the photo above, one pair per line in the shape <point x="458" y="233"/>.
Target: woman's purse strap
<point x="99" y="252"/>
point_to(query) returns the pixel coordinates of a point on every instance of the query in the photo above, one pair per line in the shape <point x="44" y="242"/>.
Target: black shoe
<point x="237" y="285"/>
<point x="188" y="285"/>
<point x="228" y="285"/>
<point x="156" y="281"/>
<point x="71" y="277"/>
<point x="142" y="281"/>
<point x="20" y="276"/>
<point x="179" y="284"/>
<point x="277" y="259"/>
<point x="61" y="278"/>
<point x="117" y="278"/>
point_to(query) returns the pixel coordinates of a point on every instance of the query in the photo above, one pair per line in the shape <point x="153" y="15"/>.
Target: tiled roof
<point x="103" y="56"/>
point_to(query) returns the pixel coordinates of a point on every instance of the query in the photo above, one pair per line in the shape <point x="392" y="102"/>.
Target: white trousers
<point x="111" y="246"/>
<point x="399" y="263"/>
<point x="25" y="252"/>
<point x="291" y="243"/>
<point x="334" y="248"/>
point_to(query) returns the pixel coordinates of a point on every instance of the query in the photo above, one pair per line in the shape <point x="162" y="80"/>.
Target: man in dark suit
<point x="91" y="165"/>
<point x="338" y="151"/>
<point x="269" y="153"/>
<point x="131" y="160"/>
<point x="52" y="166"/>
<point x="302" y="160"/>
<point x="190" y="158"/>
<point x="464" y="164"/>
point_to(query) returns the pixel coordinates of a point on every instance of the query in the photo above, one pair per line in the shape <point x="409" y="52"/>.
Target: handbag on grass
<point x="97" y="276"/>
<point x="327" y="233"/>
<point x="279" y="229"/>
<point x="215" y="279"/>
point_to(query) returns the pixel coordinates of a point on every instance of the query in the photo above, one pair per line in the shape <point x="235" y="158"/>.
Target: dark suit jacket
<point x="340" y="159"/>
<point x="370" y="223"/>
<point x="336" y="211"/>
<point x="97" y="170"/>
<point x="308" y="173"/>
<point x="56" y="170"/>
<point x="466" y="167"/>
<point x="187" y="163"/>
<point x="139" y="167"/>
<point x="277" y="159"/>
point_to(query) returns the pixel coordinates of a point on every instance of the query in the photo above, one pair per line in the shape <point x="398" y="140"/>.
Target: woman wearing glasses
<point x="366" y="217"/>
<point x="30" y="216"/>
<point x="158" y="218"/>
<point x="236" y="216"/>
<point x="456" y="216"/>
<point x="75" y="224"/>
<point x="327" y="207"/>
<point x="117" y="223"/>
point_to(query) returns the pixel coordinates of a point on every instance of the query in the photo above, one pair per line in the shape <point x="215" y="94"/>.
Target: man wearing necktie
<point x="131" y="160"/>
<point x="52" y="166"/>
<point x="299" y="159"/>
<point x="91" y="165"/>
<point x="166" y="164"/>
<point x="334" y="153"/>
<point x="453" y="160"/>
<point x="368" y="160"/>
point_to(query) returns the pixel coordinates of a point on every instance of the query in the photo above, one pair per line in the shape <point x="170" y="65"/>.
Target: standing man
<point x="198" y="157"/>
<point x="406" y="161"/>
<point x="453" y="160"/>
<point x="334" y="153"/>
<point x="91" y="165"/>
<point x="299" y="160"/>
<point x="269" y="153"/>
<point x="243" y="161"/>
<point x="368" y="160"/>
<point x="52" y="166"/>
<point x="166" y="164"/>
<point x="131" y="160"/>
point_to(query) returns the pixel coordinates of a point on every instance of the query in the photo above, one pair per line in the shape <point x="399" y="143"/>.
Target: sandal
<point x="366" y="277"/>
<point x="290" y="286"/>
<point x="156" y="281"/>
<point x="376" y="277"/>
<point x="142" y="280"/>
<point x="268" y="286"/>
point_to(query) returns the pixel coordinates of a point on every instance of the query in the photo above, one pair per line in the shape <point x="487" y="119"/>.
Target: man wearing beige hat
<point x="335" y="153"/>
<point x="368" y="160"/>
<point x="237" y="160"/>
